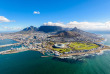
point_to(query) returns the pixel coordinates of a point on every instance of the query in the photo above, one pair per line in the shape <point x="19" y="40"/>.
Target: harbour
<point x="10" y="44"/>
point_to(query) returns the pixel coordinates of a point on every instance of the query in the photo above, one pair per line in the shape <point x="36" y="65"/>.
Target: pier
<point x="9" y="44"/>
<point x="46" y="56"/>
<point x="13" y="51"/>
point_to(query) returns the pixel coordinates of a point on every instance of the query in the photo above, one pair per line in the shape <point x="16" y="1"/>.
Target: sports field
<point x="82" y="46"/>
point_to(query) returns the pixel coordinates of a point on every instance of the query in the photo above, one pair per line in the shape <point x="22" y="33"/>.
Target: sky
<point x="84" y="14"/>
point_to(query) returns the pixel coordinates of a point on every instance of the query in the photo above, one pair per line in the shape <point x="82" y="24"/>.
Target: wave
<point x="102" y="51"/>
<point x="76" y="57"/>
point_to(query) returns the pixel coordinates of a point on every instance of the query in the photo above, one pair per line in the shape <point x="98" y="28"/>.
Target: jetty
<point x="46" y="56"/>
<point x="13" y="51"/>
<point x="9" y="44"/>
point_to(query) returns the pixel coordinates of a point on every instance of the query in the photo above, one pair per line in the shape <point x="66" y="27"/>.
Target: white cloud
<point x="4" y="19"/>
<point x="54" y="24"/>
<point x="97" y="26"/>
<point x="90" y="25"/>
<point x="36" y="12"/>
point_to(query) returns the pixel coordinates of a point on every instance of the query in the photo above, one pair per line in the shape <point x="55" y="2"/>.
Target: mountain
<point x="67" y="34"/>
<point x="83" y="33"/>
<point x="64" y="35"/>
<point x="76" y="35"/>
<point x="47" y="29"/>
<point x="30" y="29"/>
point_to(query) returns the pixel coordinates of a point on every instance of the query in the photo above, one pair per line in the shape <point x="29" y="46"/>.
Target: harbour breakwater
<point x="9" y="44"/>
<point x="14" y="50"/>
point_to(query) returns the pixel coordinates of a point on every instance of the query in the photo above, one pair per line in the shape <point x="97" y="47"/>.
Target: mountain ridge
<point x="30" y="29"/>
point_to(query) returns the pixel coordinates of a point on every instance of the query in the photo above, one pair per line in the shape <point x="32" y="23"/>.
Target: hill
<point x="86" y="34"/>
<point x="67" y="34"/>
<point x="76" y="35"/>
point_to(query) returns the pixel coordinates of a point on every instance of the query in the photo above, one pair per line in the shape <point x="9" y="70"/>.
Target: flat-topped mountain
<point x="47" y="29"/>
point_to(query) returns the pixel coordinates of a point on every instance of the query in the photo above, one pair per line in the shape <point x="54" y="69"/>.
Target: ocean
<point x="8" y="41"/>
<point x="30" y="62"/>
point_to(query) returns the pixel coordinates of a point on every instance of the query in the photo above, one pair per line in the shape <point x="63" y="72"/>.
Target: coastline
<point x="9" y="44"/>
<point x="12" y="51"/>
<point x="99" y="51"/>
<point x="62" y="55"/>
<point x="84" y="53"/>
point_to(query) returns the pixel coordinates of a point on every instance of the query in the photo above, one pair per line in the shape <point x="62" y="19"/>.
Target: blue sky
<point x="18" y="14"/>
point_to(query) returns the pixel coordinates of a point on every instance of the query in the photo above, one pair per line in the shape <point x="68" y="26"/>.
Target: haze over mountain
<point x="86" y="34"/>
<point x="83" y="32"/>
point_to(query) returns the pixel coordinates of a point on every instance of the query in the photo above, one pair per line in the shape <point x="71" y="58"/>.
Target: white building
<point x="59" y="45"/>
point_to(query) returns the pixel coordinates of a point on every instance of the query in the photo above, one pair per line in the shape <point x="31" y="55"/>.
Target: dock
<point x="13" y="51"/>
<point x="46" y="56"/>
<point x="9" y="44"/>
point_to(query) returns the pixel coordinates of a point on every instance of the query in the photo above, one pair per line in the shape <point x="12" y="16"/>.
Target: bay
<point x="30" y="62"/>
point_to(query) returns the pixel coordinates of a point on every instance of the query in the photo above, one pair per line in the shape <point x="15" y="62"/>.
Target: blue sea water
<point x="30" y="62"/>
<point x="8" y="41"/>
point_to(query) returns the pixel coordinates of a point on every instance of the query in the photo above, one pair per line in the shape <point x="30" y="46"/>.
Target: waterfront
<point x="7" y="41"/>
<point x="30" y="62"/>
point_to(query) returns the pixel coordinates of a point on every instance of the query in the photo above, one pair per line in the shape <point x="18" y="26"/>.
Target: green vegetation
<point x="82" y="46"/>
<point x="62" y="50"/>
<point x="76" y="46"/>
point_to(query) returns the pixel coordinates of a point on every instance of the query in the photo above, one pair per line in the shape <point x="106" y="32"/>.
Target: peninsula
<point x="57" y="42"/>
